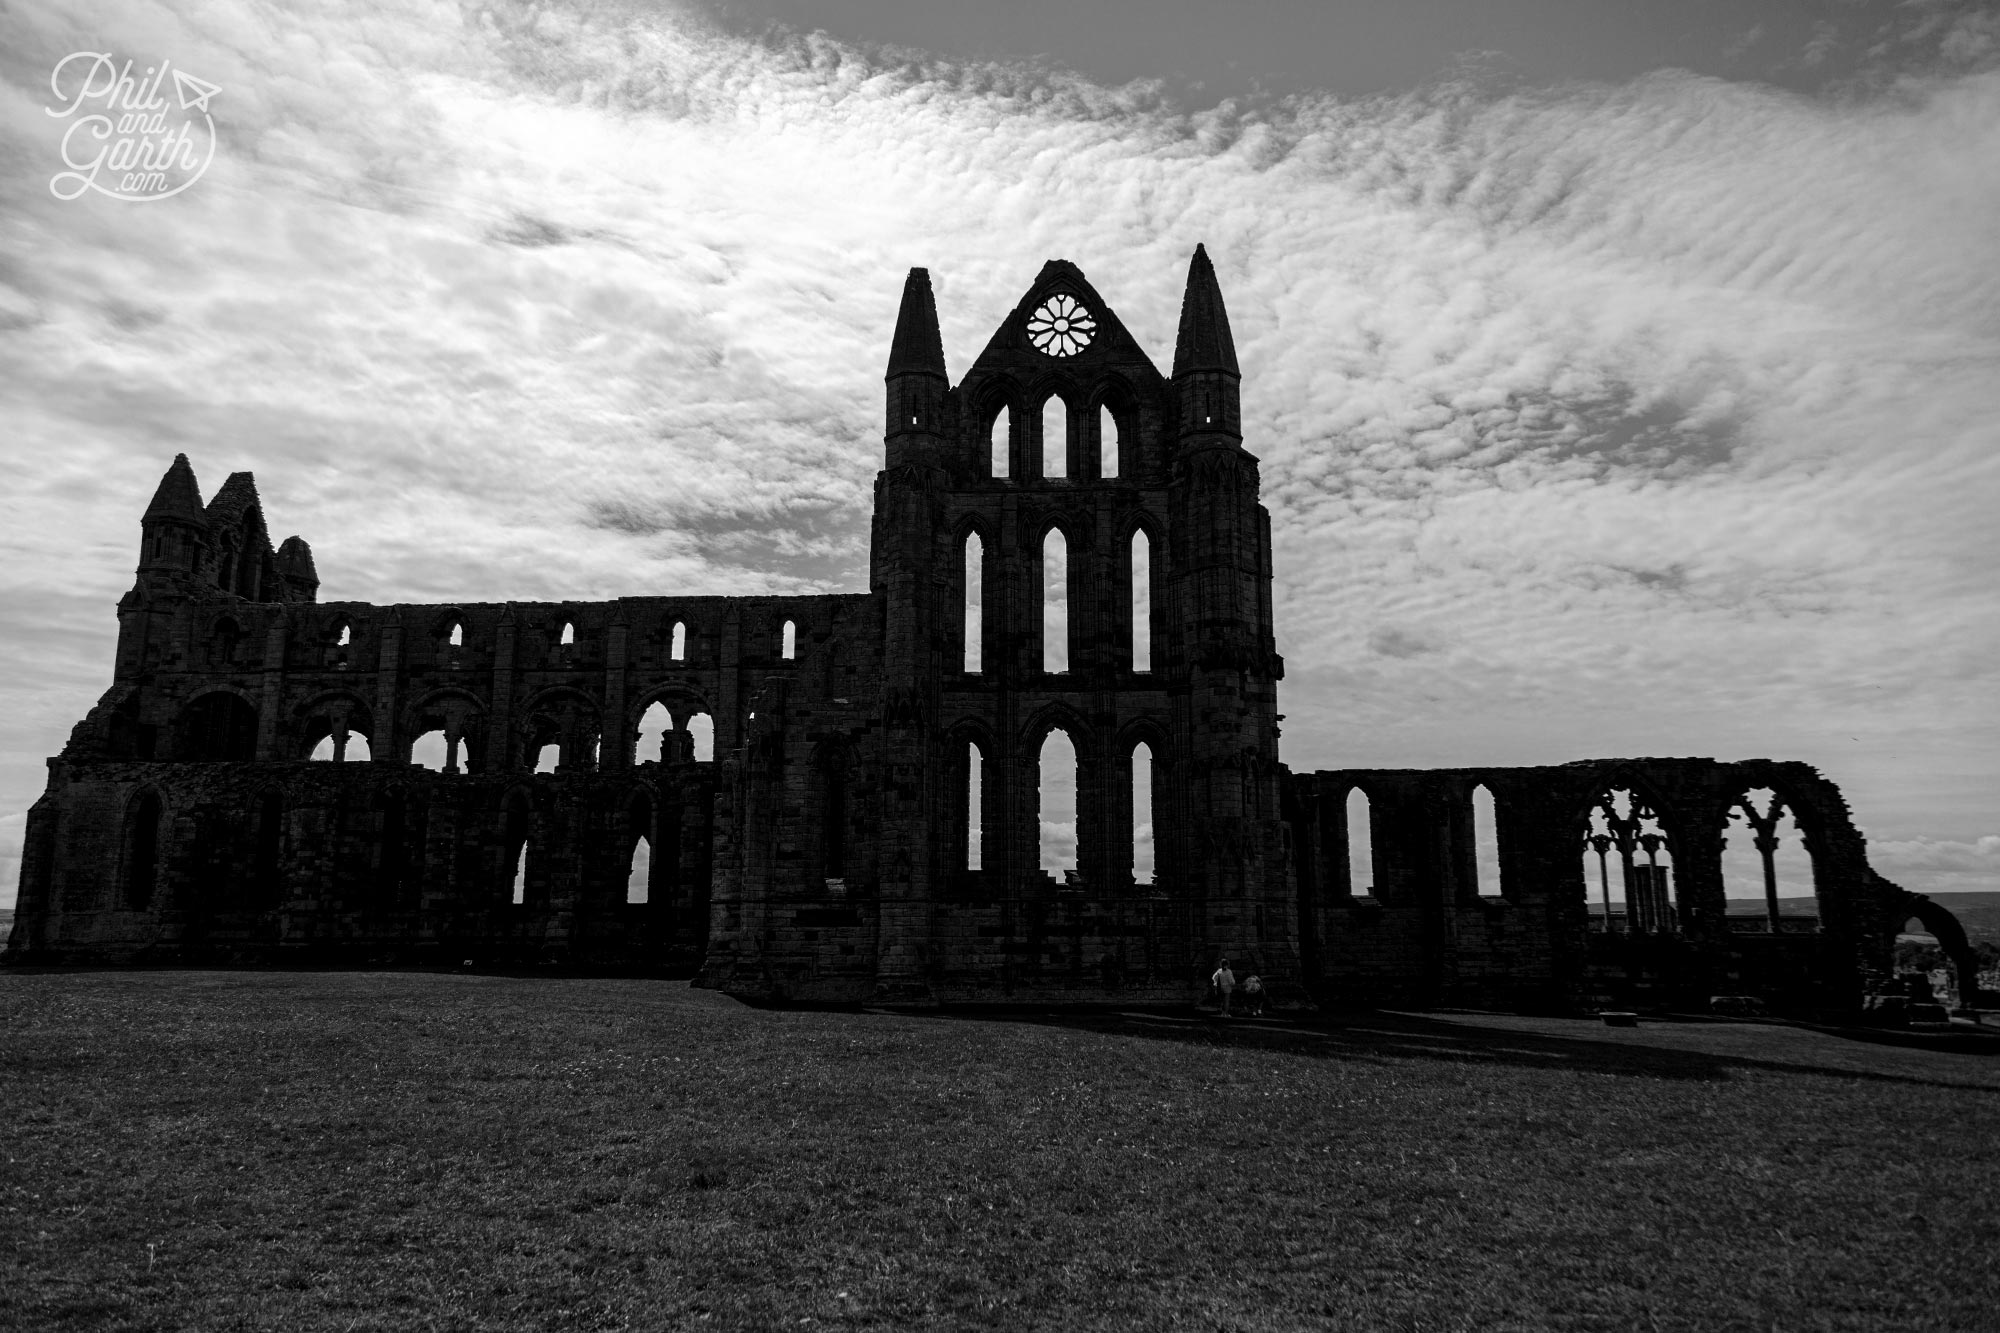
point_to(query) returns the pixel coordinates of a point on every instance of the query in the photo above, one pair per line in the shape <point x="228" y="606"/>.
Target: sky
<point x="1625" y="377"/>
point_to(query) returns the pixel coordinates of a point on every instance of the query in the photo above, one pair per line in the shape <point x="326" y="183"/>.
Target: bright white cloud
<point x="1657" y="418"/>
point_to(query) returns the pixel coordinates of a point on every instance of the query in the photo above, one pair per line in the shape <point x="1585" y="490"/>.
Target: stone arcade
<point x="866" y="821"/>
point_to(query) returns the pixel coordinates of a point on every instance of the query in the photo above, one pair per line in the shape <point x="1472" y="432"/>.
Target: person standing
<point x="1253" y="995"/>
<point x="1225" y="984"/>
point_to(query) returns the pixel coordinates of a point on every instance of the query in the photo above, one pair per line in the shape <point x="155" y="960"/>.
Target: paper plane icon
<point x="194" y="92"/>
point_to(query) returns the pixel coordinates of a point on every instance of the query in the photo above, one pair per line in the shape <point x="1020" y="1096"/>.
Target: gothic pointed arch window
<point x="1056" y="818"/>
<point x="1628" y="866"/>
<point x="654" y="725"/>
<point x="1055" y="437"/>
<point x="788" y="641"/>
<point x="1145" y="767"/>
<point x="975" y="807"/>
<point x="1360" y="844"/>
<point x="1108" y="443"/>
<point x="999" y="443"/>
<point x="225" y="642"/>
<point x="678" y="646"/>
<point x="1140" y="608"/>
<point x="1485" y="843"/>
<point x="639" y="857"/>
<point x="1766" y="869"/>
<point x="972" y="564"/>
<point x="1055" y="601"/>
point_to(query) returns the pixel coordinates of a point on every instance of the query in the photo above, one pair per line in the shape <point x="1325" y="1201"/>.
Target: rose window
<point x="1061" y="326"/>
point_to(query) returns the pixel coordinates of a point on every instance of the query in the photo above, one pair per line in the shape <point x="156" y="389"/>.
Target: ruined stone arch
<point x="568" y="717"/>
<point x="328" y="714"/>
<point x="225" y="641"/>
<point x="994" y="401"/>
<point x="1945" y="927"/>
<point x="963" y="848"/>
<point x="1050" y="716"/>
<point x="1113" y="394"/>
<point x="339" y="647"/>
<point x="1340" y="798"/>
<point x="1629" y="854"/>
<point x="218" y="724"/>
<point x="123" y="735"/>
<point x="683" y="702"/>
<point x="1059" y="460"/>
<point x="1124" y="819"/>
<point x="966" y="632"/>
<point x="456" y="712"/>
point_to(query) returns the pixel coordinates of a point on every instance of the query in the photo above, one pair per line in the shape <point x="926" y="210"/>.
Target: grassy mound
<point x="224" y="1151"/>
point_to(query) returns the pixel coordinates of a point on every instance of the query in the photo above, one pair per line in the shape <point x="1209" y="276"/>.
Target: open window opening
<point x="1485" y="844"/>
<point x="434" y="752"/>
<point x="1144" y="866"/>
<point x="788" y="641"/>
<point x="654" y="724"/>
<point x="342" y="747"/>
<point x="975" y="596"/>
<point x="997" y="450"/>
<point x="975" y="829"/>
<point x="1628" y="867"/>
<point x="1055" y="601"/>
<point x="268" y="867"/>
<point x="1141" y="609"/>
<point x="701" y="727"/>
<point x="678" y="648"/>
<point x="1766" y="870"/>
<point x="1055" y="437"/>
<point x="639" y="873"/>
<point x="1360" y="844"/>
<point x="1107" y="443"/>
<point x="1057" y="804"/>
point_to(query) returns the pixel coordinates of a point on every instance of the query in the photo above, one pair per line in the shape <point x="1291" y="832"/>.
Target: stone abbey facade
<point x="843" y="800"/>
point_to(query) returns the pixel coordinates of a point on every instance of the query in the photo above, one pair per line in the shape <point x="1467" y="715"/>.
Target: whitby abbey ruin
<point x="827" y="799"/>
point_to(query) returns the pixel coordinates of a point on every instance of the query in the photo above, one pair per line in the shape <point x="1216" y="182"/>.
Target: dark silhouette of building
<point x="840" y="796"/>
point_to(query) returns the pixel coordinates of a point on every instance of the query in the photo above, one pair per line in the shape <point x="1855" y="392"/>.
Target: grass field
<point x="225" y="1151"/>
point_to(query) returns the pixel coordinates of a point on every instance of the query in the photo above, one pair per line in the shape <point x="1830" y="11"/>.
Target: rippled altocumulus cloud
<point x="1656" y="418"/>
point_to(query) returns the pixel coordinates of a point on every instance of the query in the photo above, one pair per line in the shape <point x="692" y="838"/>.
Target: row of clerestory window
<point x="1054" y="592"/>
<point x="1051" y="457"/>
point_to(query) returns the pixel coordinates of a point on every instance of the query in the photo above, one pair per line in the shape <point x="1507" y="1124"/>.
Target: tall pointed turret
<point x="916" y="376"/>
<point x="1205" y="373"/>
<point x="918" y="347"/>
<point x="295" y="567"/>
<point x="178" y="496"/>
<point x="173" y="529"/>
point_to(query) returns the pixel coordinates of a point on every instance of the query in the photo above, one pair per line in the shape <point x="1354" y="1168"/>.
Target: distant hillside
<point x="1979" y="913"/>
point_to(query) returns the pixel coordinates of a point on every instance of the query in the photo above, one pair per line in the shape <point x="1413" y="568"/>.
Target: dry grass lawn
<point x="220" y="1151"/>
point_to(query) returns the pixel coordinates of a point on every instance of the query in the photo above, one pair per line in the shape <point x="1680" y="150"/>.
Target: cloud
<point x="1941" y="865"/>
<point x="1641" y="418"/>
